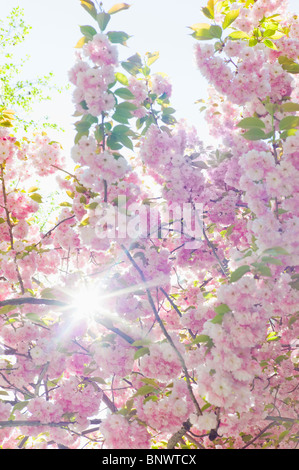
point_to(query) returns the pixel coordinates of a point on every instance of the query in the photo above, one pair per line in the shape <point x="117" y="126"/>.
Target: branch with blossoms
<point x="166" y="334"/>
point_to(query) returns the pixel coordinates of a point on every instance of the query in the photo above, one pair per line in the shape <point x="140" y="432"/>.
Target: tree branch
<point x="165" y="332"/>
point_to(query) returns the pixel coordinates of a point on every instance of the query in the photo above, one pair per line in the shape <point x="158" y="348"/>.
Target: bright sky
<point x="156" y="25"/>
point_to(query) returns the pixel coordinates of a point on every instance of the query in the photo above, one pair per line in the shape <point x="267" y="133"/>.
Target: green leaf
<point x="251" y="122"/>
<point x="289" y="122"/>
<point x="118" y="7"/>
<point x="268" y="33"/>
<point x="121" y="78"/>
<point x="230" y="18"/>
<point x="112" y="142"/>
<point x="81" y="42"/>
<point x="201" y="339"/>
<point x="257" y="32"/>
<point x="98" y="380"/>
<point x="238" y="35"/>
<point x="168" y="110"/>
<point x="121" y="130"/>
<point x="103" y="19"/>
<point x="252" y="42"/>
<point x="254" y="134"/>
<point x="48" y="293"/>
<point x="270" y="44"/>
<point x="98" y="134"/>
<point x="270" y="260"/>
<point x="290" y="107"/>
<point x="145" y="390"/>
<point x="239" y="272"/>
<point x="34" y="317"/>
<point x="288" y="133"/>
<point x="271" y="108"/>
<point x="141" y="352"/>
<point x="264" y="270"/>
<point x="88" y="31"/>
<point x="295" y="285"/>
<point x="141" y="342"/>
<point x="216" y="31"/>
<point x="36" y="197"/>
<point x="126" y="106"/>
<point x="273" y="336"/>
<point x="288" y="64"/>
<point x="275" y="251"/>
<point x="89" y="7"/>
<point x="20" y="405"/>
<point x="218" y="319"/>
<point x="202" y="31"/>
<point x="118" y="37"/>
<point x="208" y="11"/>
<point x="149" y="381"/>
<point x="152" y="57"/>
<point x="131" y="68"/>
<point x="79" y="135"/>
<point x="124" y="93"/>
<point x="280" y="358"/>
<point x="33" y="189"/>
<point x="123" y="112"/>
<point x="124" y="140"/>
<point x="222" y="308"/>
<point x="83" y="126"/>
<point x="92" y="205"/>
<point x="136" y="60"/>
<point x="7" y="308"/>
<point x="84" y="221"/>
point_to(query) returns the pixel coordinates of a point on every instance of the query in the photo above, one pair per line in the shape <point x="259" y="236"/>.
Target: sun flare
<point x="88" y="301"/>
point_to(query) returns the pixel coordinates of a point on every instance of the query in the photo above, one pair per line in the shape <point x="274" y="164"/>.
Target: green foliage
<point x="220" y="310"/>
<point x="230" y="18"/>
<point x="203" y="31"/>
<point x="288" y="64"/>
<point x="289" y="122"/>
<point x="18" y="94"/>
<point x="251" y="122"/>
<point x="118" y="37"/>
<point x="239" y="272"/>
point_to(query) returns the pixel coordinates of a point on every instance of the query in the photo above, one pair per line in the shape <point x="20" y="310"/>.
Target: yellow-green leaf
<point x="118" y="7"/>
<point x="141" y="352"/>
<point x="230" y="18"/>
<point x="6" y="309"/>
<point x="152" y="57"/>
<point x="81" y="42"/>
<point x="290" y="107"/>
<point x="270" y="44"/>
<point x="33" y="189"/>
<point x="197" y="26"/>
<point x="36" y="197"/>
<point x="144" y="390"/>
<point x="238" y="35"/>
<point x="89" y="7"/>
<point x="289" y="122"/>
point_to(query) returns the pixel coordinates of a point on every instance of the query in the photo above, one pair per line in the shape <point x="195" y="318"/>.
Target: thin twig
<point x="258" y="435"/>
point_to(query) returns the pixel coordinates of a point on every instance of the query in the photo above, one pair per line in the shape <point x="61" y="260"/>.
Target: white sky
<point x="154" y="24"/>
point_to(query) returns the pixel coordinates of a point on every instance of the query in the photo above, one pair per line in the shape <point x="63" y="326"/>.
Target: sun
<point x="88" y="301"/>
